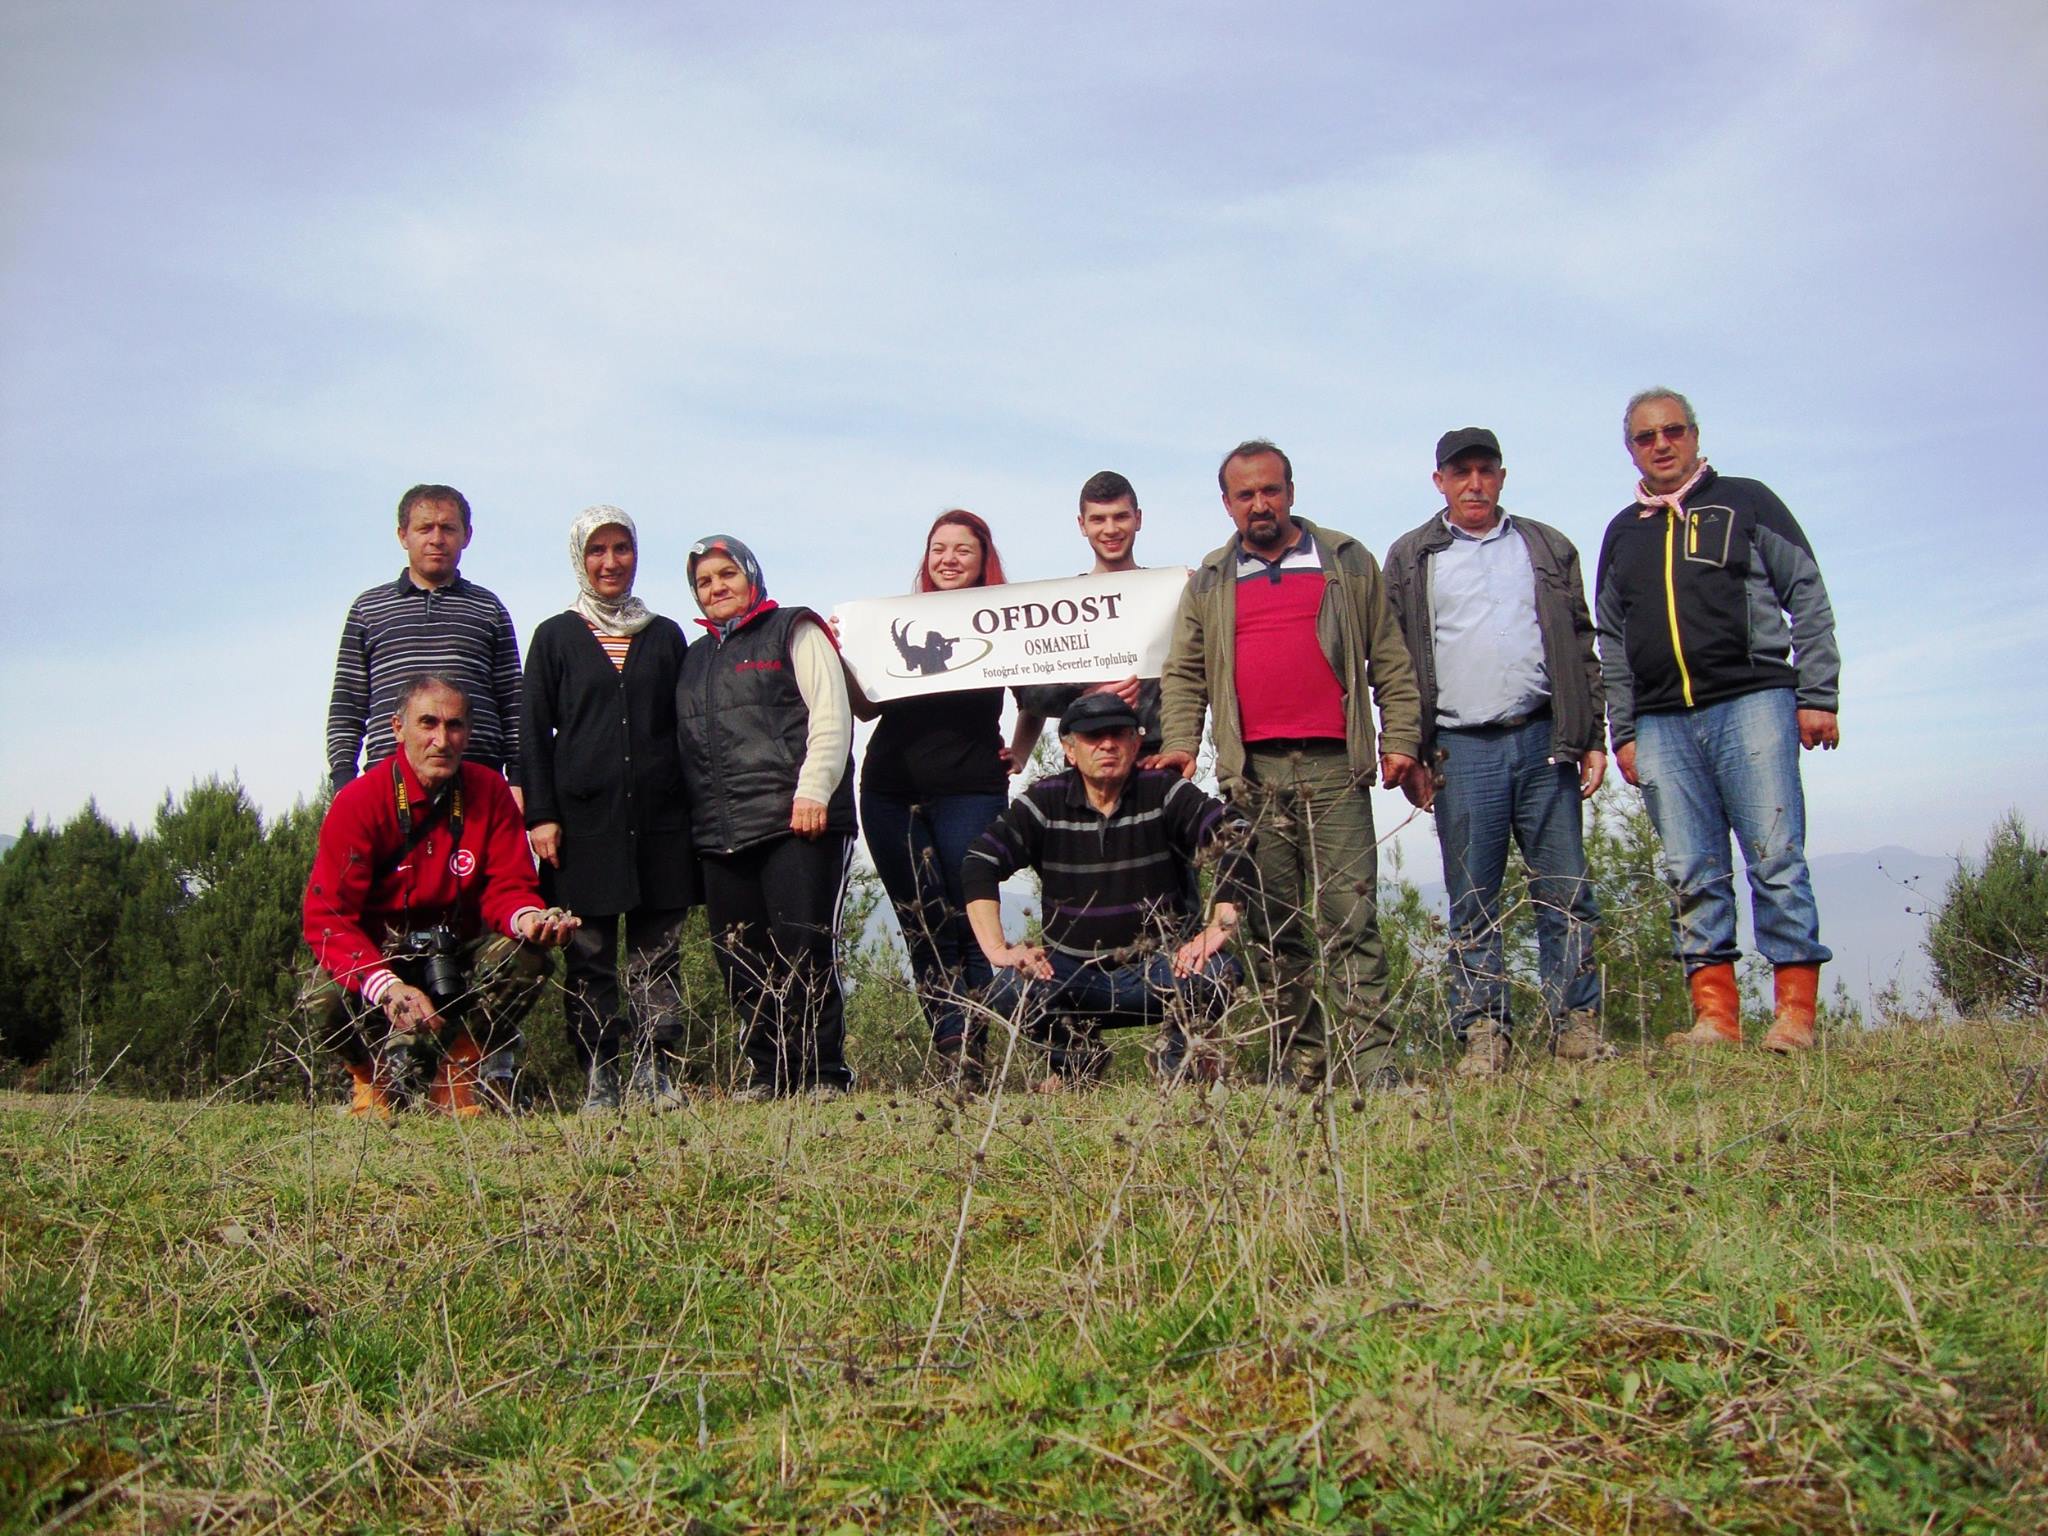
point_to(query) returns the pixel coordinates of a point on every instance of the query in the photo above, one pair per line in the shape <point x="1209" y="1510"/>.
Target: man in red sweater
<point x="424" y="905"/>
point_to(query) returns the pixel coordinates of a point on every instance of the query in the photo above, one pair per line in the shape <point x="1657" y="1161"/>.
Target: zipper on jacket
<point x="1671" y="599"/>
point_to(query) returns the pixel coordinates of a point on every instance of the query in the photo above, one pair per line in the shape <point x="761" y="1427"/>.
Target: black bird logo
<point x="929" y="658"/>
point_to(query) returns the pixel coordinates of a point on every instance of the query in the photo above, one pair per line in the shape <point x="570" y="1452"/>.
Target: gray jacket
<point x="1578" y="711"/>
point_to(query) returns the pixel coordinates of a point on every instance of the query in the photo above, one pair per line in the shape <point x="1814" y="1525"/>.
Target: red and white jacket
<point x="366" y="884"/>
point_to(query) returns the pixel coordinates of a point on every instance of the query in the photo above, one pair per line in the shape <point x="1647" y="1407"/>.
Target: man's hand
<point x="1012" y="763"/>
<point x="1394" y="769"/>
<point x="1127" y="690"/>
<point x="1027" y="959"/>
<point x="1817" y="728"/>
<point x="1625" y="760"/>
<point x="1182" y="763"/>
<point x="807" y="819"/>
<point x="1592" y="772"/>
<point x="1189" y="959"/>
<point x="1420" y="787"/>
<point x="409" y="1009"/>
<point x="549" y="929"/>
<point x="546" y="838"/>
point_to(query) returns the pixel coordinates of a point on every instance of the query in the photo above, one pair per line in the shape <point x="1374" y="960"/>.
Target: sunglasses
<point x="1671" y="431"/>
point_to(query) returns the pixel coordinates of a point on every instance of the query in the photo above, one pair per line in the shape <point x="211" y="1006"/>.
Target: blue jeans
<point x="1732" y="766"/>
<point x="917" y="846"/>
<point x="1083" y="998"/>
<point x="1499" y="782"/>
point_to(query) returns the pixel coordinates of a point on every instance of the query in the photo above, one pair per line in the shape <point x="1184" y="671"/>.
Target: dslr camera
<point x="439" y="953"/>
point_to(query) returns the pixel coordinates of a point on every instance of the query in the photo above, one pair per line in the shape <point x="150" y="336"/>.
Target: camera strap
<point x="414" y="829"/>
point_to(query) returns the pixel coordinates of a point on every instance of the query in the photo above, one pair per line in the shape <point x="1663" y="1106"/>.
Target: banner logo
<point x="934" y="655"/>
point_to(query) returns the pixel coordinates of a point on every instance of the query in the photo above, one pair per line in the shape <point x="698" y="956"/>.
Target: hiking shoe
<point x="601" y="1092"/>
<point x="1486" y="1050"/>
<point x="1391" y="1081"/>
<point x="497" y="1082"/>
<point x="651" y="1086"/>
<point x="1306" y="1068"/>
<point x="1579" y="1039"/>
<point x="754" y="1093"/>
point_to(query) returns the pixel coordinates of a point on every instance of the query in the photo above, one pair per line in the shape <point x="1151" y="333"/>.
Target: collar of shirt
<point x="406" y="584"/>
<point x="1076" y="795"/>
<point x="1500" y="526"/>
<point x="1302" y="552"/>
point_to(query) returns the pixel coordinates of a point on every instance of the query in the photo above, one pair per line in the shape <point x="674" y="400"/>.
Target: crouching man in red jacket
<point x="424" y="907"/>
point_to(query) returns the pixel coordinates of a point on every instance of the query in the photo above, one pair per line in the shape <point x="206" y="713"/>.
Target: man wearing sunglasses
<point x="1717" y="647"/>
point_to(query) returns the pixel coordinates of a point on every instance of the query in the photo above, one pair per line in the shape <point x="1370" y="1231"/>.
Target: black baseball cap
<point x="1465" y="440"/>
<point x="1097" y="712"/>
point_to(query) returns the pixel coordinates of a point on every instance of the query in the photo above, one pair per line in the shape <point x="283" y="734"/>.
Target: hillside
<point x="1737" y="1296"/>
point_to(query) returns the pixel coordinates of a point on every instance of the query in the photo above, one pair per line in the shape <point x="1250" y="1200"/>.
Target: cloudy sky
<point x="810" y="273"/>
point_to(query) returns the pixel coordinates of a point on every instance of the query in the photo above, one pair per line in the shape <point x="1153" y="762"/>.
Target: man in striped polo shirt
<point x="1284" y="638"/>
<point x="1115" y="849"/>
<point x="430" y="620"/>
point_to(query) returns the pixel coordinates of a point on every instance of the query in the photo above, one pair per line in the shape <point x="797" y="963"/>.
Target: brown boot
<point x="1716" y="1008"/>
<point x="369" y="1097"/>
<point x="1578" y="1039"/>
<point x="1797" y="987"/>
<point x="1486" y="1050"/>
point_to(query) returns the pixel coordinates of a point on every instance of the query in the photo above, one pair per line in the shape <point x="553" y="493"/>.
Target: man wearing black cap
<point x="1513" y="724"/>
<point x="1114" y="847"/>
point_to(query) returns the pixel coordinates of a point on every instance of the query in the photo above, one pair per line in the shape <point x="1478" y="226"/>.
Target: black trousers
<point x="774" y="911"/>
<point x="602" y="1020"/>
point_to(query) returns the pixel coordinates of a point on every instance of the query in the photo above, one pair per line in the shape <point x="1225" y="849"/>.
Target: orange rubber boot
<point x="368" y="1098"/>
<point x="1716" y="1008"/>
<point x="1798" y="988"/>
<point x="453" y="1090"/>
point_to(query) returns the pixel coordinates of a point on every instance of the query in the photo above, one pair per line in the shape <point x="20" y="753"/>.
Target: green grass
<point x="1737" y="1296"/>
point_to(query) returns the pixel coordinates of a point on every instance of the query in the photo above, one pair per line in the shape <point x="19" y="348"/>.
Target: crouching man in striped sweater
<point x="425" y="918"/>
<point x="1115" y="851"/>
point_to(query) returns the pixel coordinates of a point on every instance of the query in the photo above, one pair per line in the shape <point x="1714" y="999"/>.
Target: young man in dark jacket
<point x="1717" y="644"/>
<point x="1513" y="730"/>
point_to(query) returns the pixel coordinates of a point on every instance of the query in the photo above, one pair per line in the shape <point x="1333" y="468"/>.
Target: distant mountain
<point x="1873" y="914"/>
<point x="7" y="841"/>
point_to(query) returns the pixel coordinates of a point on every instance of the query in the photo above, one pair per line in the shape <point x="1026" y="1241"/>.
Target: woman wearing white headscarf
<point x="608" y="814"/>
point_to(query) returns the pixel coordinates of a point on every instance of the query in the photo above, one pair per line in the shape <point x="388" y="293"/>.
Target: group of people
<point x="628" y="773"/>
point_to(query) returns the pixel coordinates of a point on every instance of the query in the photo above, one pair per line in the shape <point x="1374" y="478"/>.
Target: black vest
<point x="743" y="728"/>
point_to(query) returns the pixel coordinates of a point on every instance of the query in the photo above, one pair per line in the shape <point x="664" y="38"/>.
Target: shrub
<point x="1989" y="940"/>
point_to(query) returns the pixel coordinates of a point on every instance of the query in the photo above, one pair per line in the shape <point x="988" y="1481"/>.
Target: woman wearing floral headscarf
<point x="767" y="737"/>
<point x="607" y="811"/>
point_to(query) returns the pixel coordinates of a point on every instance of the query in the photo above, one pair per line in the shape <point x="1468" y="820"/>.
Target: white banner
<point x="1085" y="629"/>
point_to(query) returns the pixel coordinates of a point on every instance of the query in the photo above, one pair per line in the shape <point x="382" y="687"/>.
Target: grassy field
<point x="1739" y="1295"/>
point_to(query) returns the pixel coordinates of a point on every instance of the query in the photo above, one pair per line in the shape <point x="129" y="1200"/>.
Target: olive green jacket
<point x="1358" y="635"/>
